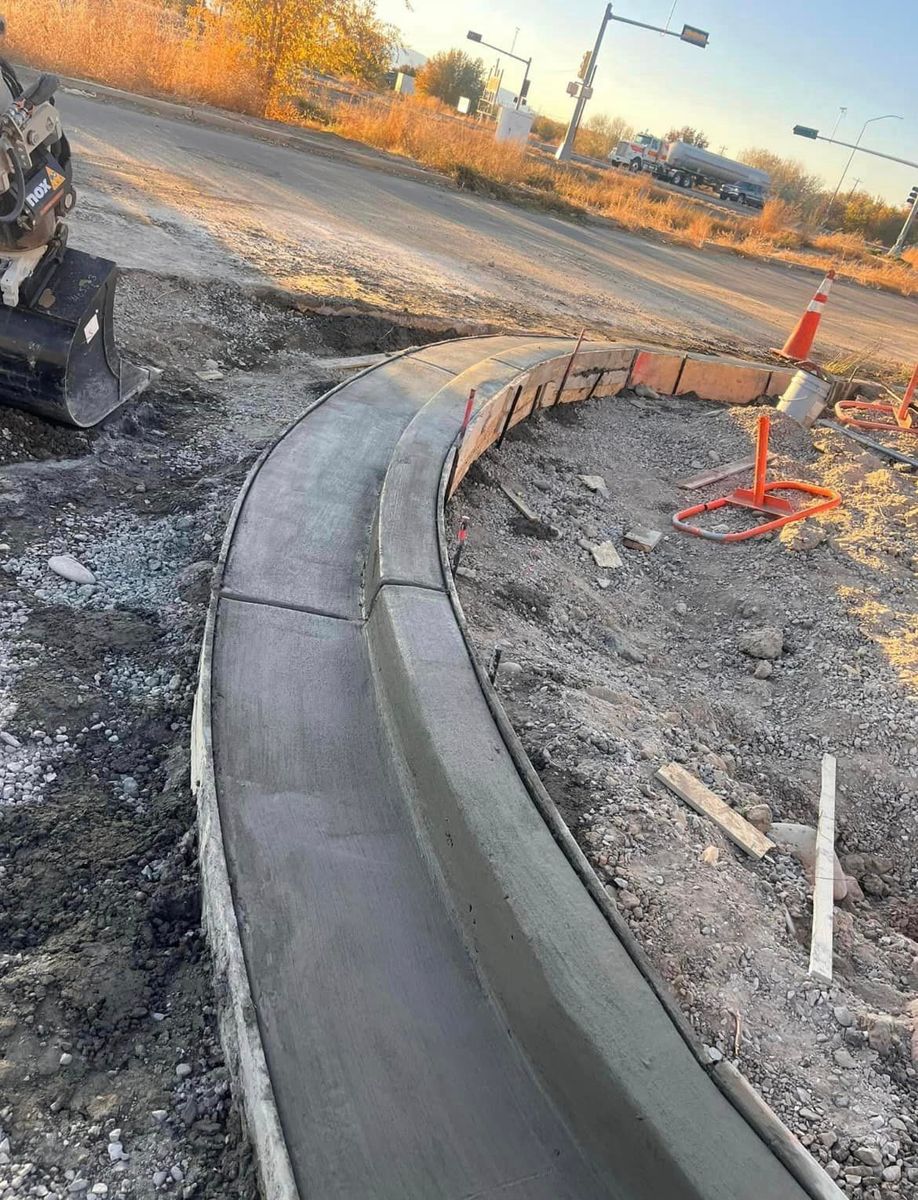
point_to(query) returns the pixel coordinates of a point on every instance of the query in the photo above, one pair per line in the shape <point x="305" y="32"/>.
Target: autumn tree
<point x="790" y="180"/>
<point x="873" y="218"/>
<point x="337" y="37"/>
<point x="451" y="74"/>
<point x="598" y="136"/>
<point x="546" y="129"/>
<point x="689" y="135"/>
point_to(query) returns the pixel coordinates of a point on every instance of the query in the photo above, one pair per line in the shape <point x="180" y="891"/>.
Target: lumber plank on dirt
<point x="639" y="537"/>
<point x="824" y="878"/>
<point x="716" y="474"/>
<point x="519" y="504"/>
<point x="704" y="801"/>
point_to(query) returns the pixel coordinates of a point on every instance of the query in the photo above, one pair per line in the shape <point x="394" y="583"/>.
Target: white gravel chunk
<point x="70" y="569"/>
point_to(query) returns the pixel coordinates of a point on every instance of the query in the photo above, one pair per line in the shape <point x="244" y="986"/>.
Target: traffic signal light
<point x="695" y="37"/>
<point x="912" y="196"/>
<point x="584" y="65"/>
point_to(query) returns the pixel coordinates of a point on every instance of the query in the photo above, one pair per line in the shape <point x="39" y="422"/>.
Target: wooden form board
<point x="704" y="801"/>
<point x="824" y="878"/>
<point x="605" y="371"/>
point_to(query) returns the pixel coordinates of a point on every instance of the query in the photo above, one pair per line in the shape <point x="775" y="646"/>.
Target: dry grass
<point x="141" y="47"/>
<point x="417" y="130"/>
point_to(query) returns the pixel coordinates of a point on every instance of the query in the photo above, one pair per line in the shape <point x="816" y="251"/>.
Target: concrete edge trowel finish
<point x="345" y="905"/>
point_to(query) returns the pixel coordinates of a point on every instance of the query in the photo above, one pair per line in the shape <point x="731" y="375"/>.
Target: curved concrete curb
<point x="360" y="791"/>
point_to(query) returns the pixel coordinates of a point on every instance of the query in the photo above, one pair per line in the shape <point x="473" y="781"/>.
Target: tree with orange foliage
<point x="335" y="37"/>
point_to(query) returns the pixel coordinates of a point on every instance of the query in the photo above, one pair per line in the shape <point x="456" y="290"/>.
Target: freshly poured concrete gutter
<point x="425" y="991"/>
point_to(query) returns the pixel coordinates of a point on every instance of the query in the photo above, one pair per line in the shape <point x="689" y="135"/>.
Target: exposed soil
<point x="112" y="1080"/>
<point x="608" y="674"/>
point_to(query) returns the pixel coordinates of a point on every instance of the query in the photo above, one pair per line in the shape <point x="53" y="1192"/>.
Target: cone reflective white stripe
<point x="818" y="303"/>
<point x="798" y="346"/>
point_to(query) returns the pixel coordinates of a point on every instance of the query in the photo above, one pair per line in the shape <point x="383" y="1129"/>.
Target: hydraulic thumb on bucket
<point x="57" y="349"/>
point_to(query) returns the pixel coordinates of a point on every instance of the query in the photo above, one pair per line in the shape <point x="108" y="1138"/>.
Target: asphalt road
<point x="178" y="197"/>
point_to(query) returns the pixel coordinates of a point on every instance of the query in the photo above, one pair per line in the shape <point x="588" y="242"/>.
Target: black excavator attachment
<point x="57" y="348"/>
<point x="57" y="354"/>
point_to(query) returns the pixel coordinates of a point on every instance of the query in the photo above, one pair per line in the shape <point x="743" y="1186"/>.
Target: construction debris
<point x="595" y="483"/>
<point x="639" y="537"/>
<point x="871" y="444"/>
<point x="520" y="504"/>
<point x="605" y="555"/>
<point x="824" y="878"/>
<point x="716" y="474"/>
<point x="703" y="800"/>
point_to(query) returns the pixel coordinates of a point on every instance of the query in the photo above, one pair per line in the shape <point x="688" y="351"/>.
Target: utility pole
<point x="563" y="153"/>
<point x="695" y="37"/>
<point x="895" y="251"/>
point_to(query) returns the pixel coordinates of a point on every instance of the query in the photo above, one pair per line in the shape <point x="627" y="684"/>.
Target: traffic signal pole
<point x="895" y="251"/>
<point x="695" y="37"/>
<point x="563" y="153"/>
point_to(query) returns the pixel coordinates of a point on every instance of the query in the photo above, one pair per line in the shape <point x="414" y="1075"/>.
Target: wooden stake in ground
<point x="824" y="881"/>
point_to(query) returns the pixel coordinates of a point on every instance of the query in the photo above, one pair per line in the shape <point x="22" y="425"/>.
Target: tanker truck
<point x="689" y="166"/>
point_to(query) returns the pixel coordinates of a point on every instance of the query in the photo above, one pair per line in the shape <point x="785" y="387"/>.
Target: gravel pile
<point x="743" y="663"/>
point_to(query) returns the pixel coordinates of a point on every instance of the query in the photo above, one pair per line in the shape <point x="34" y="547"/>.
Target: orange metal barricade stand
<point x="760" y="498"/>
<point x="903" y="419"/>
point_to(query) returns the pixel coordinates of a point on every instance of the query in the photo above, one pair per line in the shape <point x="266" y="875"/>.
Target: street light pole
<point x="563" y="153"/>
<point x="856" y="147"/>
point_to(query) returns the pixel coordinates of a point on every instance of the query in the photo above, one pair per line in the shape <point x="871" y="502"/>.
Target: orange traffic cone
<point x="798" y="346"/>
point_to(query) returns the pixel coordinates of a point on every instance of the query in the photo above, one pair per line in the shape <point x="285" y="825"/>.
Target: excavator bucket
<point x="57" y="353"/>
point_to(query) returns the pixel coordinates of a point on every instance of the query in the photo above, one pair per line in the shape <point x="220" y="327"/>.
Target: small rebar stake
<point x="494" y="665"/>
<point x="511" y="413"/>
<point x="462" y="534"/>
<point x="567" y="370"/>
